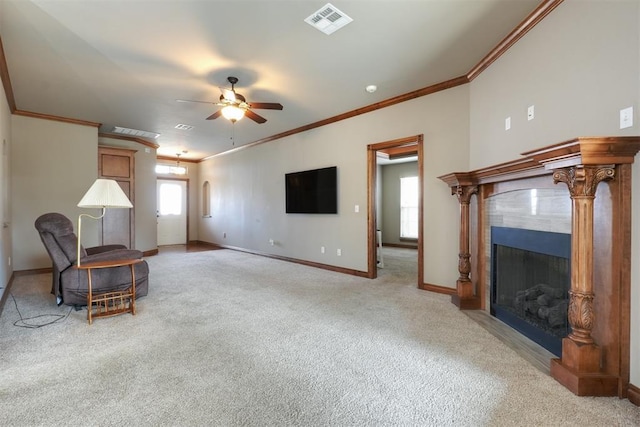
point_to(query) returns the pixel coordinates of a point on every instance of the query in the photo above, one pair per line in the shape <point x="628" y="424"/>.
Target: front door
<point x="172" y="212"/>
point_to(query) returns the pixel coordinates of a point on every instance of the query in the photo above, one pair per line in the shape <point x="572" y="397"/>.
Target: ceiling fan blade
<point x="215" y="115"/>
<point x="266" y="105"/>
<point x="253" y="116"/>
<point x="200" y="102"/>
<point x="228" y="94"/>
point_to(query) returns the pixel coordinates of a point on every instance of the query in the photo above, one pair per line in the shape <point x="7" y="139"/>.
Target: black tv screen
<point x="313" y="191"/>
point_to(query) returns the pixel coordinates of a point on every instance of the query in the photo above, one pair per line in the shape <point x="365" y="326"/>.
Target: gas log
<point x="545" y="303"/>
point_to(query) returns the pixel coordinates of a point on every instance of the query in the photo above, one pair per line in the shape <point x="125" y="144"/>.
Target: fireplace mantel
<point x="595" y="355"/>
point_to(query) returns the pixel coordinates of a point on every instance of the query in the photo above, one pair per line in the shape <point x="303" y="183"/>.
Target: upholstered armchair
<point x="70" y="285"/>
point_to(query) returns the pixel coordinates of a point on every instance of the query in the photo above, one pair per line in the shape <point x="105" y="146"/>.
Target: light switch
<point x="626" y="117"/>
<point x="530" y="112"/>
<point x="357" y="209"/>
<point x="507" y="123"/>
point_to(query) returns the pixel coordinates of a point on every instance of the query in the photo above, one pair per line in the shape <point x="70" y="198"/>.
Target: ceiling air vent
<point x="180" y="126"/>
<point x="328" y="19"/>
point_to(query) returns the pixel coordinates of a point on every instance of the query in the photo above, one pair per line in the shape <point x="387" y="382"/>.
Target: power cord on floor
<point x="22" y="323"/>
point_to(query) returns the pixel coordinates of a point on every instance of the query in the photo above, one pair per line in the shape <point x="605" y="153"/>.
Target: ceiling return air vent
<point x="135" y="132"/>
<point x="328" y="19"/>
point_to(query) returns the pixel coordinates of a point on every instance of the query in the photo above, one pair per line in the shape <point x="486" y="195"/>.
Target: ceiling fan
<point x="235" y="106"/>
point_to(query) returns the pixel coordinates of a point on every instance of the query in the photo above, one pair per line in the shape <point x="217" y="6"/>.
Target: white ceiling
<point x="124" y="63"/>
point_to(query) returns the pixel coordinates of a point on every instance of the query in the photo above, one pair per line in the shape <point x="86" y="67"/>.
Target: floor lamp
<point x="103" y="194"/>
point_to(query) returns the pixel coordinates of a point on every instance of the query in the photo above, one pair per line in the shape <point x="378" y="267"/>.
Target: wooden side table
<point x="111" y="303"/>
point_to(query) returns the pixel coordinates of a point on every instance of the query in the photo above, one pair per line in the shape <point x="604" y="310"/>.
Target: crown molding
<point x="56" y="118"/>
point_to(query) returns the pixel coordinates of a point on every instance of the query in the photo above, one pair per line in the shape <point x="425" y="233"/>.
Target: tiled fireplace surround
<point x="581" y="187"/>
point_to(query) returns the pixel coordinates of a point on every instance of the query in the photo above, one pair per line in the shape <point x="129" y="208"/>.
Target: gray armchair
<point x="70" y="285"/>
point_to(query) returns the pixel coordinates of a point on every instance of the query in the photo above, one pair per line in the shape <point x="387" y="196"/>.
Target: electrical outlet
<point x="507" y="123"/>
<point x="321" y="249"/>
<point x="530" y="112"/>
<point x="339" y="252"/>
<point x="626" y="117"/>
<point x="272" y="242"/>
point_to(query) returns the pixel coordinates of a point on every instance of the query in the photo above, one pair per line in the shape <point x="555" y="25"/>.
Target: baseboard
<point x="342" y="270"/>
<point x="33" y="271"/>
<point x="437" y="289"/>
<point x="5" y="293"/>
<point x="150" y="252"/>
<point x="633" y="394"/>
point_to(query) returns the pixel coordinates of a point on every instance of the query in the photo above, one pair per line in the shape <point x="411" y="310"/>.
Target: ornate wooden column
<point x="579" y="368"/>
<point x="595" y="354"/>
<point x="463" y="188"/>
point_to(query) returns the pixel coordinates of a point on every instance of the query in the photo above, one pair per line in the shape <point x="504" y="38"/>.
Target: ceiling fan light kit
<point x="232" y="113"/>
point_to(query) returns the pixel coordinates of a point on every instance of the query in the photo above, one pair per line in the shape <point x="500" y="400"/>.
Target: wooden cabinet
<point x="117" y="226"/>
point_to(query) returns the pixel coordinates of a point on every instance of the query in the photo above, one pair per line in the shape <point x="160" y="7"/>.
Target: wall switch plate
<point x="271" y="242"/>
<point x="321" y="249"/>
<point x="224" y="235"/>
<point x="507" y="123"/>
<point x="339" y="252"/>
<point x="530" y="112"/>
<point x="626" y="117"/>
<point x="357" y="209"/>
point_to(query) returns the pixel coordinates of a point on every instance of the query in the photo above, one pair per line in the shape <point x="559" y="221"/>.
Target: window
<point x="171" y="170"/>
<point x="206" y="197"/>
<point x="170" y="199"/>
<point x="409" y="207"/>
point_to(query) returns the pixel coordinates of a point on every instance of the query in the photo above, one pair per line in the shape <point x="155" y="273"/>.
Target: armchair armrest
<point x="117" y="254"/>
<point x="98" y="249"/>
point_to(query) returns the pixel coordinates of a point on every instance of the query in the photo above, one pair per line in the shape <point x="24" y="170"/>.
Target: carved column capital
<point x="583" y="181"/>
<point x="464" y="193"/>
<point x="581" y="317"/>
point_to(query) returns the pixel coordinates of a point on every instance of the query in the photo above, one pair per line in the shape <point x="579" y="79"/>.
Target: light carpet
<point x="226" y="338"/>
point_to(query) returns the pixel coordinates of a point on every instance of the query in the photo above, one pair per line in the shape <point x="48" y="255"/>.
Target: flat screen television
<point x="312" y="191"/>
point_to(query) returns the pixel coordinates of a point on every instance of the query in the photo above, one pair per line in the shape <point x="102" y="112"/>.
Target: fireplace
<point x="530" y="280"/>
<point x="596" y="174"/>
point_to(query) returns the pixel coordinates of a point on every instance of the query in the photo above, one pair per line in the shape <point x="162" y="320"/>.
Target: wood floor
<point x="191" y="247"/>
<point x="535" y="354"/>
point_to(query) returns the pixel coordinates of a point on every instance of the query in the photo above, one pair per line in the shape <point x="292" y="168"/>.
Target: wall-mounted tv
<point x="312" y="191"/>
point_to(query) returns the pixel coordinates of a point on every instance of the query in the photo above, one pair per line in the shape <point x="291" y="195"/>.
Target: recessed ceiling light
<point x="328" y="19"/>
<point x="371" y="88"/>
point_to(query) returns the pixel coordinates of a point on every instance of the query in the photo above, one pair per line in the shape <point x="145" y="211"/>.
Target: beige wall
<point x="579" y="67"/>
<point x="5" y="192"/>
<point x="50" y="173"/>
<point x="248" y="186"/>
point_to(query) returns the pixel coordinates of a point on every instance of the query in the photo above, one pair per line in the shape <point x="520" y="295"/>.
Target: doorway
<point x="400" y="147"/>
<point x="172" y="211"/>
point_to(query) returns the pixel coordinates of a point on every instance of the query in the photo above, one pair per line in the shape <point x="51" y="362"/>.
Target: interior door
<point x="172" y="212"/>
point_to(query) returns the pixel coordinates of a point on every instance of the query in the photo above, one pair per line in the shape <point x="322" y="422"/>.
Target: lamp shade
<point x="105" y="193"/>
<point x="233" y="113"/>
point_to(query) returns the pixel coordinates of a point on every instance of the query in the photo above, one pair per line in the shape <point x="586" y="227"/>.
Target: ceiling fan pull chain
<point x="233" y="134"/>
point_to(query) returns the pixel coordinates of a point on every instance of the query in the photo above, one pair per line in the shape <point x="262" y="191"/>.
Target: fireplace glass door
<point x="530" y="283"/>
